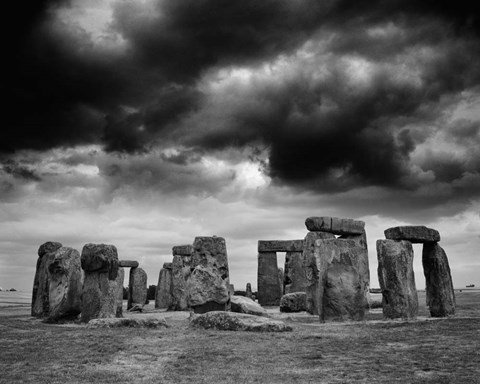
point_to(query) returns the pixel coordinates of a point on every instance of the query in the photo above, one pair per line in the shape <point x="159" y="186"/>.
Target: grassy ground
<point x="373" y="351"/>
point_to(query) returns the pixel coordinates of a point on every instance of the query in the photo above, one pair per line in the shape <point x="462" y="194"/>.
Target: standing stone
<point x="66" y="284"/>
<point x="181" y="270"/>
<point x="207" y="291"/>
<point x="397" y="279"/>
<point x="344" y="297"/>
<point x="163" y="296"/>
<point x="137" y="288"/>
<point x="41" y="281"/>
<point x="248" y="291"/>
<point x="364" y="268"/>
<point x="413" y="233"/>
<point x="269" y="292"/>
<point x="120" y="280"/>
<point x="281" y="277"/>
<point x="211" y="252"/>
<point x="295" y="280"/>
<point x="100" y="286"/>
<point x="439" y="285"/>
<point x="315" y="267"/>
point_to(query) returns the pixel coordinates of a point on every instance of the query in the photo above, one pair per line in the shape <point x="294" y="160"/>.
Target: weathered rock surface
<point x="241" y="304"/>
<point x="182" y="250"/>
<point x="127" y="322"/>
<point x="48" y="247"/>
<point x="293" y="302"/>
<point x="438" y="281"/>
<point x="40" y="289"/>
<point x="229" y="321"/>
<point x="294" y="279"/>
<point x="344" y="296"/>
<point x="211" y="252"/>
<point x="128" y="263"/>
<point x="280" y="245"/>
<point x="164" y="296"/>
<point x="120" y="279"/>
<point x="413" y="233"/>
<point x="335" y="225"/>
<point x="397" y="280"/>
<point x="137" y="287"/>
<point x="207" y="290"/>
<point x="281" y="276"/>
<point x="100" y="286"/>
<point x="66" y="284"/>
<point x="269" y="292"/>
<point x="181" y="270"/>
<point x="315" y="271"/>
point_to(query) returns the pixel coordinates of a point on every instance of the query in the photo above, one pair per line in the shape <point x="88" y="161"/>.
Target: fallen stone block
<point x="293" y="302"/>
<point x="229" y="321"/>
<point x="280" y="245"/>
<point x="242" y="304"/>
<point x="413" y="233"/>
<point x="335" y="225"/>
<point x="127" y="323"/>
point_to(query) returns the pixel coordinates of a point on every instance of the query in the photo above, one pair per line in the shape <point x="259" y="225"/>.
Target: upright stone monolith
<point x="66" y="284"/>
<point x="137" y="288"/>
<point x="281" y="277"/>
<point x="438" y="281"/>
<point x="100" y="286"/>
<point x="347" y="276"/>
<point x="295" y="279"/>
<point x="182" y="267"/>
<point x="210" y="279"/>
<point x="163" y="296"/>
<point x="248" y="291"/>
<point x="269" y="292"/>
<point x="41" y="282"/>
<point x="315" y="267"/>
<point x="397" y="279"/>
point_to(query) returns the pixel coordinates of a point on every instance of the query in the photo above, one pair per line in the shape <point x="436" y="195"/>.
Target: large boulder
<point x="346" y="280"/>
<point x="163" y="295"/>
<point x="315" y="268"/>
<point x="207" y="291"/>
<point x="229" y="321"/>
<point x="397" y="279"/>
<point x="41" y="281"/>
<point x="413" y="233"/>
<point x="66" y="284"/>
<point x="293" y="302"/>
<point x="438" y="281"/>
<point x="269" y="292"/>
<point x="335" y="225"/>
<point x="242" y="304"/>
<point x="137" y="288"/>
<point x="100" y="286"/>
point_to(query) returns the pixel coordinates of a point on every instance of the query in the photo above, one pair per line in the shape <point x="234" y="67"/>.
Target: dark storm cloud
<point x="322" y="133"/>
<point x="20" y="171"/>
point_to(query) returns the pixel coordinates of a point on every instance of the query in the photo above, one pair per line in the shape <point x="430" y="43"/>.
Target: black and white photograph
<point x="240" y="191"/>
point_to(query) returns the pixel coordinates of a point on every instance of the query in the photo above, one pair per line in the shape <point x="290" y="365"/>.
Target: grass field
<point x="373" y="351"/>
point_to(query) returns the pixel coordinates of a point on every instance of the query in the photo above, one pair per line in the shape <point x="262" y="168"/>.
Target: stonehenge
<point x="396" y="276"/>
<point x="163" y="294"/>
<point x="137" y="288"/>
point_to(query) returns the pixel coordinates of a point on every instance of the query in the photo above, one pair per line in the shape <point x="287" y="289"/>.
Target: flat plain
<point x="372" y="351"/>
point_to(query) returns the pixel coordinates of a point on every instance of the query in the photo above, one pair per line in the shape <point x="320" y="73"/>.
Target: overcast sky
<point x="146" y="123"/>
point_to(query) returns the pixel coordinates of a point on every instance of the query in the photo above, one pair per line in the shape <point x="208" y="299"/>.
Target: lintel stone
<point x="335" y="225"/>
<point x="280" y="246"/>
<point x="182" y="250"/>
<point x="413" y="233"/>
<point x="128" y="263"/>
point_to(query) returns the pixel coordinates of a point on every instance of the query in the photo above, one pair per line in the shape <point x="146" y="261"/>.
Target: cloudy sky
<point x="146" y="123"/>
